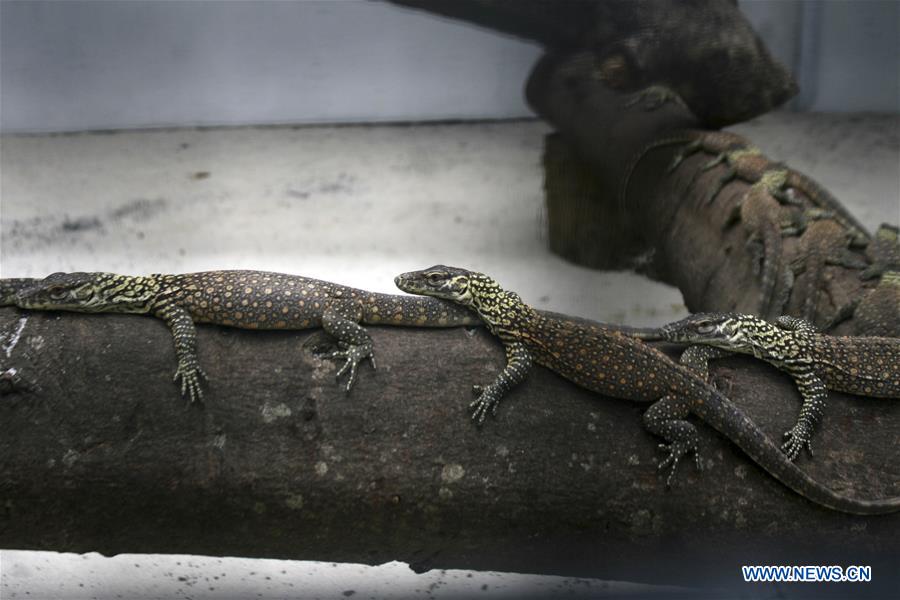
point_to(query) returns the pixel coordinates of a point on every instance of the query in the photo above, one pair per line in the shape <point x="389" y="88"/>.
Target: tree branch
<point x="280" y="462"/>
<point x="607" y="209"/>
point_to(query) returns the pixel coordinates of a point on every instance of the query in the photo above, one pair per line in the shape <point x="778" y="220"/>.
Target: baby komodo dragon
<point x="867" y="366"/>
<point x="245" y="299"/>
<point x="620" y="366"/>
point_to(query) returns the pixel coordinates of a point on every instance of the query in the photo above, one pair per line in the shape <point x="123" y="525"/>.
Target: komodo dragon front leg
<point x="341" y="321"/>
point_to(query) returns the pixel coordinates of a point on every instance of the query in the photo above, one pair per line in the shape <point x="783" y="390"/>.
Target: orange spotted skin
<point x="244" y="299"/>
<point x="866" y="366"/>
<point x="605" y="361"/>
<point x="614" y="364"/>
<point x="597" y="358"/>
<point x="263" y="300"/>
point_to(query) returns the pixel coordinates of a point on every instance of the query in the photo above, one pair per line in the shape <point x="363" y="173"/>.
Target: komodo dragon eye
<point x="705" y="328"/>
<point x="57" y="292"/>
<point x="434" y="276"/>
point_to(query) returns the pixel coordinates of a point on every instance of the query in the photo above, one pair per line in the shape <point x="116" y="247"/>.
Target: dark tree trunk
<point x="103" y="455"/>
<point x="704" y="49"/>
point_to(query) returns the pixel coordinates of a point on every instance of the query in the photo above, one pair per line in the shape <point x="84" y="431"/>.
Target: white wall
<point x="79" y="65"/>
<point x="103" y="65"/>
<point x="858" y="52"/>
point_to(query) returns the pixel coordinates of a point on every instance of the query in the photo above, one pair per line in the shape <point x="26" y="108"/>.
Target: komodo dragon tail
<point x="721" y="414"/>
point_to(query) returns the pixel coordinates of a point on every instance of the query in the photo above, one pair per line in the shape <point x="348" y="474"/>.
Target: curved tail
<point x="728" y="419"/>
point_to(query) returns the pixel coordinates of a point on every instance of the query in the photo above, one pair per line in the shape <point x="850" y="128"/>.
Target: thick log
<point x="664" y="223"/>
<point x="704" y="49"/>
<point x="103" y="455"/>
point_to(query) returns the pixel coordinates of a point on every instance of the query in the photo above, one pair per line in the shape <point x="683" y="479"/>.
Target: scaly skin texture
<point x="769" y="210"/>
<point x="244" y="299"/>
<point x="759" y="209"/>
<point x="10" y="287"/>
<point x="748" y="163"/>
<point x="867" y="366"/>
<point x="879" y="312"/>
<point x="883" y="252"/>
<point x="613" y="364"/>
<point x="823" y="243"/>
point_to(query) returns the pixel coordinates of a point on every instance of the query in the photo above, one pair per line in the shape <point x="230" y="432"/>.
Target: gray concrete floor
<point x="49" y="575"/>
<point x="355" y="205"/>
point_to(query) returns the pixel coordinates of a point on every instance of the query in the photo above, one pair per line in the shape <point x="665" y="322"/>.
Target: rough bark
<point x="704" y="49"/>
<point x="103" y="455"/>
<point x="663" y="224"/>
